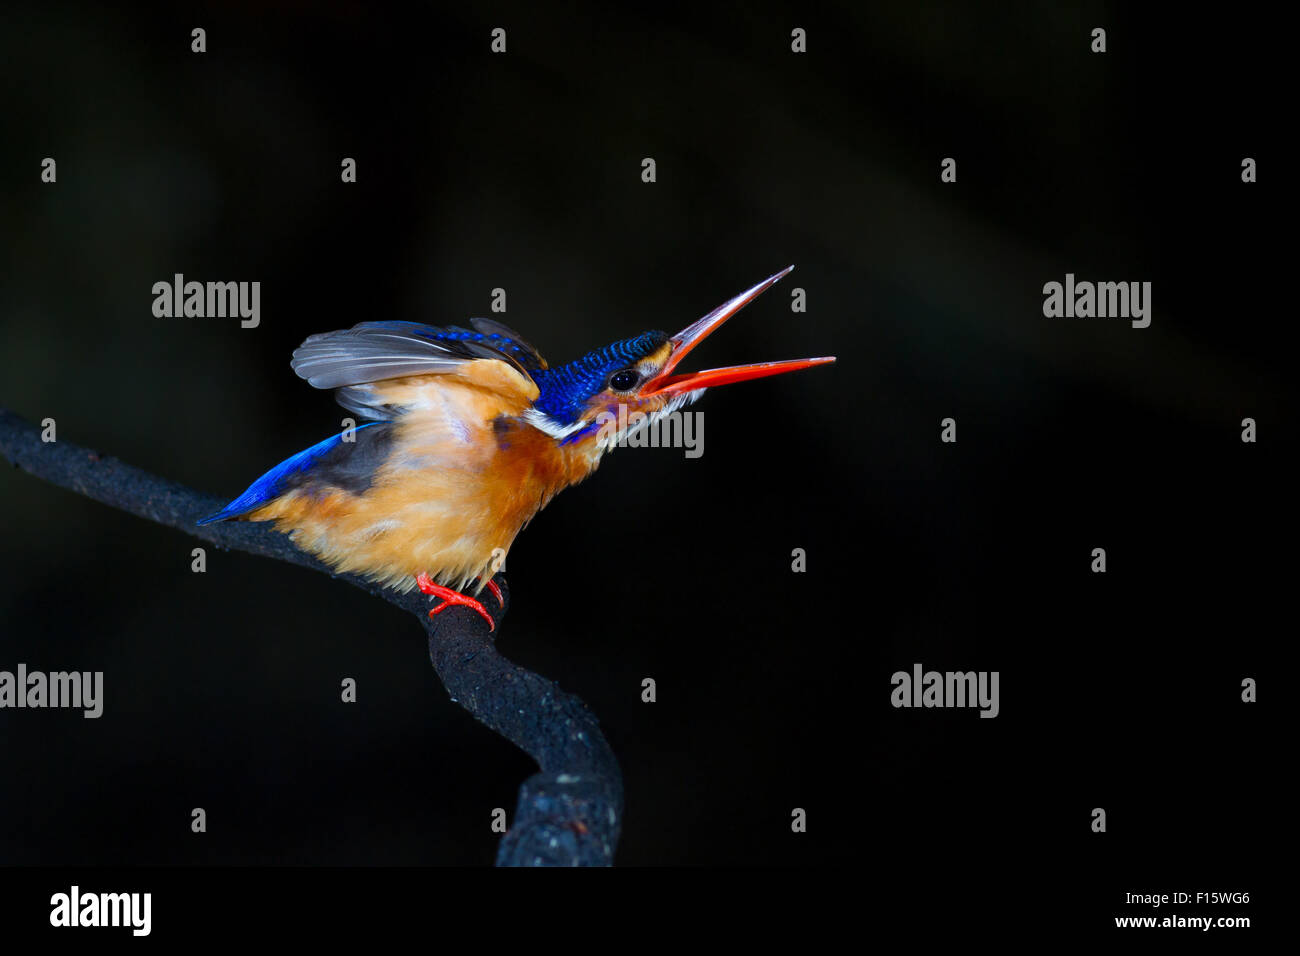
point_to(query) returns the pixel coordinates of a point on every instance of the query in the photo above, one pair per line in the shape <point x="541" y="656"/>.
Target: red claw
<point x="452" y="598"/>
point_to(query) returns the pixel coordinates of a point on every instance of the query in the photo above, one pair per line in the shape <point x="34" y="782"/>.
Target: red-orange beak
<point x="695" y="333"/>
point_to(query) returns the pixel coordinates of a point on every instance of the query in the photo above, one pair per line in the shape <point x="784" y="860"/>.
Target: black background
<point x="522" y="171"/>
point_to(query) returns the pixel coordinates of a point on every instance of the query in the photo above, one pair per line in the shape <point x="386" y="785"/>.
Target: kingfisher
<point x="466" y="435"/>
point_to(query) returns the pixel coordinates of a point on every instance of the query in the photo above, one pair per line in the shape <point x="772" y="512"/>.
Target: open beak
<point x="695" y="333"/>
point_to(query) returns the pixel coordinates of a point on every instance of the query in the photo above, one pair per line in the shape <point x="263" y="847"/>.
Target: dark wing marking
<point x="350" y="466"/>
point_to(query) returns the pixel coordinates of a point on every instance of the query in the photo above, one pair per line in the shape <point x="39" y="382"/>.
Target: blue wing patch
<point x="290" y="473"/>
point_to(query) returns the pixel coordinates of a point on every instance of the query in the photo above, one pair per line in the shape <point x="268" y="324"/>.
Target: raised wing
<point x="353" y="359"/>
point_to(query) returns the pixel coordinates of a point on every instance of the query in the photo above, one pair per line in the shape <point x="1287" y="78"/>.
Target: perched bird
<point x="468" y="434"/>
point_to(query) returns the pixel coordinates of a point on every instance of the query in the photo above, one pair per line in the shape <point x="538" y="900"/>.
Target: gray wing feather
<point x="351" y="359"/>
<point x="372" y="352"/>
<point x="360" y="400"/>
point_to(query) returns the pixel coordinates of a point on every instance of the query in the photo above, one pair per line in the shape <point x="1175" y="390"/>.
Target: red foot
<point x="451" y="598"/>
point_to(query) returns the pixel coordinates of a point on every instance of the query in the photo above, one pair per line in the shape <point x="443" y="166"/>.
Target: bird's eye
<point x="624" y="381"/>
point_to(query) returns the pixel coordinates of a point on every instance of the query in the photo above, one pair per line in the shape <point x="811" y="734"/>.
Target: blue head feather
<point x="567" y="389"/>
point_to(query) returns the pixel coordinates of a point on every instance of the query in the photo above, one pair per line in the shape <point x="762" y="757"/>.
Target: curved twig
<point x="569" y="814"/>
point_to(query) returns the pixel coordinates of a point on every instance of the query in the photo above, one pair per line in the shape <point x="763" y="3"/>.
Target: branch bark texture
<point x="568" y="814"/>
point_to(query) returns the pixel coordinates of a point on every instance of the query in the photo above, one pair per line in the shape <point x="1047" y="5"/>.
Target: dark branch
<point x="569" y="814"/>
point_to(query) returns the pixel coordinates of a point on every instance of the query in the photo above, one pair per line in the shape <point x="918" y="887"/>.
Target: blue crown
<point x="566" y="389"/>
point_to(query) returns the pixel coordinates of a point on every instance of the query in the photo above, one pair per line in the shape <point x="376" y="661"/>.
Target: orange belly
<point x="448" y="506"/>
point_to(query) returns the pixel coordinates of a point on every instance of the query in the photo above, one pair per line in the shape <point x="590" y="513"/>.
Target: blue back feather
<point x="272" y="484"/>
